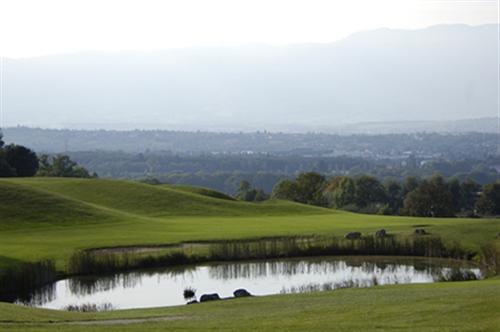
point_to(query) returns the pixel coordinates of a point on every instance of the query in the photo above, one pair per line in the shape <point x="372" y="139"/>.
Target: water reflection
<point x="153" y="288"/>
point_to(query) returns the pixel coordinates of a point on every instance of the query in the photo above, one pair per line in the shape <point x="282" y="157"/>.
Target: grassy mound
<point x="157" y="201"/>
<point x="52" y="217"/>
<point x="21" y="204"/>
<point x="201" y="191"/>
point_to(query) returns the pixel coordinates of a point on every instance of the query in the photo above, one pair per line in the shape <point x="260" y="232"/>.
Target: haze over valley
<point x="441" y="73"/>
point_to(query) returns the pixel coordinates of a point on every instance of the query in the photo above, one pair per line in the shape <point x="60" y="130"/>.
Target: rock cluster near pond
<point x="241" y="293"/>
<point x="353" y="235"/>
<point x="209" y="297"/>
<point x="420" y="231"/>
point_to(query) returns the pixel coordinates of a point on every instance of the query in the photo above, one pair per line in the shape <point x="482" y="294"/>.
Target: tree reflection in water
<point x="165" y="287"/>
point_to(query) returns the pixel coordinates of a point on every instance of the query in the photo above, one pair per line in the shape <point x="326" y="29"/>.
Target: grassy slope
<point x="53" y="217"/>
<point x="200" y="191"/>
<point x="157" y="201"/>
<point x="464" y="306"/>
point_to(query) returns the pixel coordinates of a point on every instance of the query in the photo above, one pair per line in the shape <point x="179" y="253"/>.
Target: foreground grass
<point x="460" y="306"/>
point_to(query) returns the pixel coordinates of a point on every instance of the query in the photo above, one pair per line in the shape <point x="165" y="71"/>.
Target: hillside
<point x="93" y="196"/>
<point x="22" y="204"/>
<point x="53" y="217"/>
<point x="202" y="191"/>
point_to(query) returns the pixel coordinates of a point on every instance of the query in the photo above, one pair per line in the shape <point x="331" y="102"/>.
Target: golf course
<point x="52" y="218"/>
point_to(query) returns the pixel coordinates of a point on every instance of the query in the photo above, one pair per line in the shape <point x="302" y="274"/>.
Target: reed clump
<point x="89" y="262"/>
<point x="369" y="245"/>
<point x="89" y="307"/>
<point x="24" y="277"/>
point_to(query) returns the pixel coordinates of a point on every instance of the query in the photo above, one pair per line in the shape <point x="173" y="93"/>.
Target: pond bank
<point x="99" y="261"/>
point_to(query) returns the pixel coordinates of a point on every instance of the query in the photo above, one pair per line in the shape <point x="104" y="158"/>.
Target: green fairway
<point x="51" y="218"/>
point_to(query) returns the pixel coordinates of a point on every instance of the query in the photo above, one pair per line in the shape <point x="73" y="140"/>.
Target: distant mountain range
<point x="396" y="79"/>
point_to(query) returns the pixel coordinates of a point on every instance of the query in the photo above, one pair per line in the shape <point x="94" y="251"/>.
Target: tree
<point x="286" y="189"/>
<point x="249" y="194"/>
<point x="410" y="184"/>
<point x="61" y="166"/>
<point x="344" y="193"/>
<point x="260" y="195"/>
<point x="432" y="198"/>
<point x="470" y="192"/>
<point x="5" y="169"/>
<point x="368" y="190"/>
<point x="489" y="200"/>
<point x="44" y="166"/>
<point x="310" y="187"/>
<point x="456" y="194"/>
<point x="21" y="159"/>
<point x="395" y="196"/>
<point x="244" y="191"/>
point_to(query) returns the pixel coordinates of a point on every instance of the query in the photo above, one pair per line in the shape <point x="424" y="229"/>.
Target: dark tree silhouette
<point x="21" y="159"/>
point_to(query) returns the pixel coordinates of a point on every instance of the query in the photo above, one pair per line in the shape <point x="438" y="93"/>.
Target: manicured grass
<point x="51" y="218"/>
<point x="200" y="190"/>
<point x="460" y="306"/>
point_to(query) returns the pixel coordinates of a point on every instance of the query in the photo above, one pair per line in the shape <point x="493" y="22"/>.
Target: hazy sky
<point x="34" y="27"/>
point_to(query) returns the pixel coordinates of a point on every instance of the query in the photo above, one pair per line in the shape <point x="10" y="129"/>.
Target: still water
<point x="155" y="288"/>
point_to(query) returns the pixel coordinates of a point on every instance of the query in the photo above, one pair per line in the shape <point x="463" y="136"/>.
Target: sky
<point x="33" y="27"/>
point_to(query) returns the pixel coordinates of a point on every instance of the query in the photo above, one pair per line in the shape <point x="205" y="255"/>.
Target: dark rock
<point x="192" y="302"/>
<point x="241" y="293"/>
<point x="209" y="297"/>
<point x="353" y="235"/>
<point x="420" y="231"/>
<point x="380" y="233"/>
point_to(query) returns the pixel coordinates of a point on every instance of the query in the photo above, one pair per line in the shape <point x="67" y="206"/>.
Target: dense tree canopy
<point x="369" y="191"/>
<point x="61" y="166"/>
<point x="249" y="194"/>
<point x="307" y="189"/>
<point x="310" y="187"/>
<point x="5" y="169"/>
<point x="432" y="198"/>
<point x="341" y="192"/>
<point x="21" y="159"/>
<point x="286" y="189"/>
<point x="489" y="201"/>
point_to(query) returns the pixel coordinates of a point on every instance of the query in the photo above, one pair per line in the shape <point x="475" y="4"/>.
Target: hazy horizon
<point x="244" y="66"/>
<point x="382" y="75"/>
<point x="62" y="27"/>
<point x="237" y="45"/>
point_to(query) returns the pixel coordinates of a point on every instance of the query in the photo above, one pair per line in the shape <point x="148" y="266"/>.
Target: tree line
<point x="20" y="161"/>
<point x="430" y="197"/>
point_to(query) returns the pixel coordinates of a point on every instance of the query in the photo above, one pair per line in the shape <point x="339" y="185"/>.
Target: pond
<point x="164" y="287"/>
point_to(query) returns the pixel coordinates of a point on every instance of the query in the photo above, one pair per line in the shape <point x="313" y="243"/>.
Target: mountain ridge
<point x="445" y="72"/>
